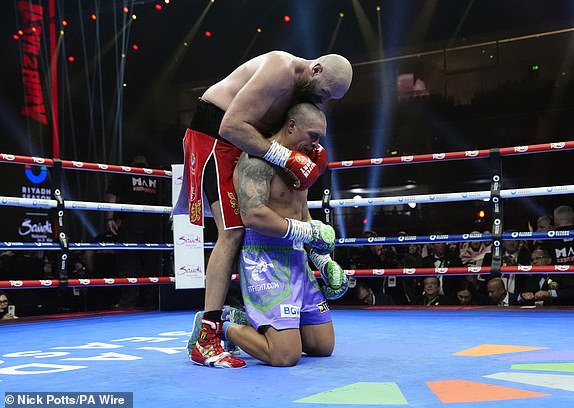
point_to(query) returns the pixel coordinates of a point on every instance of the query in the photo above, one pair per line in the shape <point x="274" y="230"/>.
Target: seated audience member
<point x="498" y="294"/>
<point x="472" y="253"/>
<point x="545" y="223"/>
<point x="514" y="253"/>
<point x="466" y="293"/>
<point x="431" y="294"/>
<point x="366" y="295"/>
<point x="442" y="258"/>
<point x="381" y="257"/>
<point x="551" y="289"/>
<point x="408" y="289"/>
<point x="562" y="250"/>
<point x="5" y="312"/>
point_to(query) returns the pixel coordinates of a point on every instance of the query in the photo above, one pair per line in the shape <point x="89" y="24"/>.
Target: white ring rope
<point x="349" y="202"/>
<point x="445" y="197"/>
<point x="83" y="205"/>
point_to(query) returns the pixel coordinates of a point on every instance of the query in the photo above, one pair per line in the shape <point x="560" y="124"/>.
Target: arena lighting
<point x="286" y="18"/>
<point x="384" y="96"/>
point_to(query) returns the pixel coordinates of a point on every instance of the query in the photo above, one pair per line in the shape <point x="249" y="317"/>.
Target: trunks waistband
<point x="207" y="119"/>
<point x="252" y="238"/>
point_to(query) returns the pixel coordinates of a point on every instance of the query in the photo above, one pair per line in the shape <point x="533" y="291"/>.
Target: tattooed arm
<point x="252" y="180"/>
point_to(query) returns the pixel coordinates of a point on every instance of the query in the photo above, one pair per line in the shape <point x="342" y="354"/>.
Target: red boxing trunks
<point x="201" y="144"/>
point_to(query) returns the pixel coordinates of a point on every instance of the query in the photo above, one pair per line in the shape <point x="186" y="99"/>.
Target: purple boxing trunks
<point x="278" y="287"/>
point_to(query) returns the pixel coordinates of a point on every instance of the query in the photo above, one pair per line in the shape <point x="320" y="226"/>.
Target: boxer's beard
<point x="306" y="92"/>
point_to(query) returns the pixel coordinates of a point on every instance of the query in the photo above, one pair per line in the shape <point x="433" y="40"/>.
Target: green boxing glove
<point x="331" y="272"/>
<point x="333" y="294"/>
<point x="318" y="235"/>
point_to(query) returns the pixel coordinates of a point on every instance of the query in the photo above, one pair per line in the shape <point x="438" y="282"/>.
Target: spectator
<point x="497" y="293"/>
<point x="442" y="258"/>
<point x="544" y="223"/>
<point x="472" y="253"/>
<point x="466" y="294"/>
<point x="7" y="311"/>
<point x="410" y="288"/>
<point x="513" y="253"/>
<point x="366" y="295"/>
<point x="562" y="250"/>
<point x="550" y="289"/>
<point x="380" y="257"/>
<point x="133" y="227"/>
<point x="431" y="294"/>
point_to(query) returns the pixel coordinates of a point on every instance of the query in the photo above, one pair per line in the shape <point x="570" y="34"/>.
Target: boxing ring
<point x="384" y="356"/>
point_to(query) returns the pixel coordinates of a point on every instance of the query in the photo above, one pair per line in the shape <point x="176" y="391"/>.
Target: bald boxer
<point x="232" y="116"/>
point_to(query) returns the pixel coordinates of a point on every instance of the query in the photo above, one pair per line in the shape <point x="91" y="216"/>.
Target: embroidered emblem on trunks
<point x="233" y="202"/>
<point x="195" y="211"/>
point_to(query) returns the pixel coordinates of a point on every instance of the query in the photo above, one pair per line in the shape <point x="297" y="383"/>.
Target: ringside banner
<point x="188" y="245"/>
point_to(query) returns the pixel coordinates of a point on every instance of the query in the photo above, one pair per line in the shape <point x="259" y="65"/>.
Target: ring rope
<point x="426" y="198"/>
<point x="338" y="203"/>
<point x="54" y="283"/>
<point x="393" y="240"/>
<point x="461" y="155"/>
<point x="446" y="197"/>
<point x="83" y="205"/>
<point x="422" y="158"/>
<point x="468" y="270"/>
<point x="79" y="165"/>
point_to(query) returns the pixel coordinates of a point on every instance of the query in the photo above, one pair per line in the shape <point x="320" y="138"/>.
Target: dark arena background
<point x="450" y="156"/>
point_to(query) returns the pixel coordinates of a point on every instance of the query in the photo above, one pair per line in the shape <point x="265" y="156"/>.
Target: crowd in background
<point x="473" y="289"/>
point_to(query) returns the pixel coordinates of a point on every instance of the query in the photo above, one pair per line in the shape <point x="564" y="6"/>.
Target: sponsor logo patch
<point x="290" y="311"/>
<point x="323" y="307"/>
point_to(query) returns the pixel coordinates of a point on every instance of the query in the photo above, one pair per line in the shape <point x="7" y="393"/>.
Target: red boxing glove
<point x="319" y="157"/>
<point x="302" y="167"/>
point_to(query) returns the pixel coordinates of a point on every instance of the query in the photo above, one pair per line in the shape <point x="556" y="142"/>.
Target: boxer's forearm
<point x="264" y="220"/>
<point x="244" y="136"/>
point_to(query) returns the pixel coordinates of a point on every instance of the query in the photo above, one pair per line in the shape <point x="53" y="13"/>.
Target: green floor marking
<point x="563" y="367"/>
<point x="371" y="393"/>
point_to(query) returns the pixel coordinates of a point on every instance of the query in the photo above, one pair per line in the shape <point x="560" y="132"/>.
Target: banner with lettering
<point x="32" y="33"/>
<point x="26" y="224"/>
<point x="189" y="253"/>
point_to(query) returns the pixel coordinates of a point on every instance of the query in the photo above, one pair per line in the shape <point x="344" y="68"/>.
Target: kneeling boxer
<point x="286" y="308"/>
